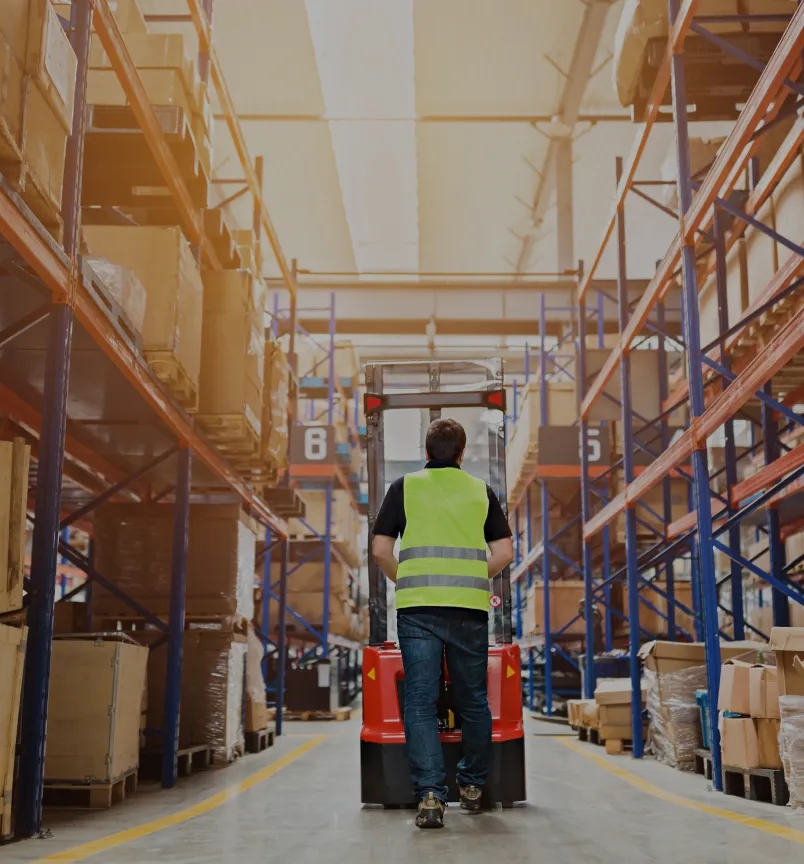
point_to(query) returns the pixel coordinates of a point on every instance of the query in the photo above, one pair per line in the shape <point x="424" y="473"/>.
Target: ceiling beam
<point x="576" y="79"/>
<point x="444" y="326"/>
<point x="566" y="286"/>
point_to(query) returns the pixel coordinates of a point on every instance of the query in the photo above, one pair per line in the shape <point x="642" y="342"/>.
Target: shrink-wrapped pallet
<point x="275" y="406"/>
<point x="211" y="702"/>
<point x="675" y="725"/>
<point x="124" y="287"/>
<point x="791" y="746"/>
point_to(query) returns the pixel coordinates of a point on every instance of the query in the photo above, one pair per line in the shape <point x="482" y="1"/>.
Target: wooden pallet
<point x="170" y="372"/>
<point x="189" y="760"/>
<point x="19" y="179"/>
<point x="15" y="639"/>
<point x="339" y="714"/>
<point x="586" y="733"/>
<point x="232" y="434"/>
<point x="88" y="796"/>
<point x="260" y="740"/>
<point x="757" y="784"/>
<point x="618" y="746"/>
<point x="703" y="763"/>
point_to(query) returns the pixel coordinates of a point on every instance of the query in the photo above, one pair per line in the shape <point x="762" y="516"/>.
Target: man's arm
<point x="382" y="550"/>
<point x="389" y="525"/>
<point x="501" y="555"/>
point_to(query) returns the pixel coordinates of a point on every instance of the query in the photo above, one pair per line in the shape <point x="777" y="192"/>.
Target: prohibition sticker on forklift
<point x="495" y="600"/>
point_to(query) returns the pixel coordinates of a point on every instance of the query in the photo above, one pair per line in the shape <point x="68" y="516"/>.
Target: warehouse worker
<point x="445" y="518"/>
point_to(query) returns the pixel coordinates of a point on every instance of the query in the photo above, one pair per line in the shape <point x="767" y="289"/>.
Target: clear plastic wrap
<point x="275" y="406"/>
<point x="125" y="288"/>
<point x="133" y="548"/>
<point x="791" y="746"/>
<point x="675" y="725"/>
<point x="211" y="705"/>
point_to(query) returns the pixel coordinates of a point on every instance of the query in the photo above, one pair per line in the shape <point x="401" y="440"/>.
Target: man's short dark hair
<point x="445" y="440"/>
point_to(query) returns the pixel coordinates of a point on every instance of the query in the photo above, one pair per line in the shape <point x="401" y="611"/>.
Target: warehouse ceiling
<point x="407" y="137"/>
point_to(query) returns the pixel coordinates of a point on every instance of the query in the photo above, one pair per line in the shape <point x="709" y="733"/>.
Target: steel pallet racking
<point x="723" y="378"/>
<point x="340" y="397"/>
<point x="78" y="384"/>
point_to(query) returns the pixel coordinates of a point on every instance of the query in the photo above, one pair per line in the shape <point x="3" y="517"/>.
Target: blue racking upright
<point x="750" y="371"/>
<point x="80" y="362"/>
<point x="340" y="397"/>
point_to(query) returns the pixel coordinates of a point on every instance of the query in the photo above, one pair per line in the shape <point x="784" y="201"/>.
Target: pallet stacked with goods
<point x="323" y="612"/>
<point x="138" y="384"/>
<point x="708" y="497"/>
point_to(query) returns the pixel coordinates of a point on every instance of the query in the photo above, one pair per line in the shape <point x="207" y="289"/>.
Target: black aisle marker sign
<point x="560" y="451"/>
<point x="312" y="451"/>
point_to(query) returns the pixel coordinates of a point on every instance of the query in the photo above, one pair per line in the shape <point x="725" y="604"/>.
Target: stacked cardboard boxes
<point x="172" y="325"/>
<point x="37" y="92"/>
<point x="230" y="402"/>
<point x="614" y="699"/>
<point x="748" y="703"/>
<point x="275" y="407"/>
<point x="345" y="522"/>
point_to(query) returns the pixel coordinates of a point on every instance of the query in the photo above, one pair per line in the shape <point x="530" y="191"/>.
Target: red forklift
<point x="473" y="394"/>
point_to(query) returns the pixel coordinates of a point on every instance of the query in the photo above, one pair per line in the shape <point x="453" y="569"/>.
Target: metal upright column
<point x="608" y="618"/>
<point x="667" y="492"/>
<point x="266" y="602"/>
<point x="632" y="566"/>
<point x="543" y="421"/>
<point x="531" y="657"/>
<point x="692" y="338"/>
<point x="770" y="434"/>
<point x="329" y="492"/>
<point x="47" y="506"/>
<point x="736" y="580"/>
<point x="282" y="638"/>
<point x="589" y="683"/>
<point x="203" y="57"/>
<point x="178" y="598"/>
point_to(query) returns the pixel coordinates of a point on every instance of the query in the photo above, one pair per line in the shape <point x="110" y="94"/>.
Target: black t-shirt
<point x="391" y="522"/>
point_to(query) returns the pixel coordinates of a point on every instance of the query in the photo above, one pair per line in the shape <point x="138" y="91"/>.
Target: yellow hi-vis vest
<point x="442" y="557"/>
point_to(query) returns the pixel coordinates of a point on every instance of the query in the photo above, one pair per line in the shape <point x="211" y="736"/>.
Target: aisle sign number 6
<point x="315" y="443"/>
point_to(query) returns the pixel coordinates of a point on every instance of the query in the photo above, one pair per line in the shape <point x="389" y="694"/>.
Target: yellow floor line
<point x="786" y="833"/>
<point x="85" y="850"/>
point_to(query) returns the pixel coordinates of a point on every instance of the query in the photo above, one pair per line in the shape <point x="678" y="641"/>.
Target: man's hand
<point x="382" y="550"/>
<point x="501" y="554"/>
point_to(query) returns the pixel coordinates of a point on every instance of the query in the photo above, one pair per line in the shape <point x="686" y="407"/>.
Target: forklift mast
<point x="439" y="387"/>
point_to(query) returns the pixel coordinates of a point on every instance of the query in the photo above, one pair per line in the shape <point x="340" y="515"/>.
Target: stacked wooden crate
<point x="14" y="461"/>
<point x="37" y="91"/>
<point x="133" y="549"/>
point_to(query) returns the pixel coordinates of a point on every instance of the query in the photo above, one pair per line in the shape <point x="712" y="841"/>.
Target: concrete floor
<point x="298" y="803"/>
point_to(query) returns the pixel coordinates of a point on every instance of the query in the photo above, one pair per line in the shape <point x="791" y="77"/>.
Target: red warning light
<point x="373" y="404"/>
<point x="497" y="400"/>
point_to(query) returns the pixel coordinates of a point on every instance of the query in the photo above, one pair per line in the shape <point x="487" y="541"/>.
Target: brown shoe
<point x="430" y="813"/>
<point x="470" y="799"/>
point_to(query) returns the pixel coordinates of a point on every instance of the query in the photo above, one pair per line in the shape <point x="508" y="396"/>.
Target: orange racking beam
<point x="230" y="113"/>
<point x="784" y="345"/>
<point x="719" y="180"/>
<point x="67" y="288"/>
<point x="115" y="47"/>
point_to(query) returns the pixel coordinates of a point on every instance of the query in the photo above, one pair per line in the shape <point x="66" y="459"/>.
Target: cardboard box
<point x="232" y="347"/>
<point x="14" y="26"/>
<point x="127" y="14"/>
<point x="309" y="578"/>
<point x="659" y="656"/>
<point x="768" y="743"/>
<point x="163" y="87"/>
<point x="590" y="714"/>
<point x="12" y="79"/>
<point x="738" y="742"/>
<point x="163" y="262"/>
<point x="310" y="606"/>
<point x="788" y="644"/>
<point x="14" y="463"/>
<point x="93" y="723"/>
<point x="565" y="599"/>
<point x="764" y="692"/>
<point x="51" y="61"/>
<point x="13" y="641"/>
<point x="44" y="148"/>
<point x="616" y="691"/>
<point x="735" y="691"/>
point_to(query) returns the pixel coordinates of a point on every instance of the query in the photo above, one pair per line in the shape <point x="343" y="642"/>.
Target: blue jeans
<point x="424" y="639"/>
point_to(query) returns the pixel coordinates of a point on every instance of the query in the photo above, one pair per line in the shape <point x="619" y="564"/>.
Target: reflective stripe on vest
<point x="454" y="552"/>
<point x="435" y="580"/>
<point x="442" y="558"/>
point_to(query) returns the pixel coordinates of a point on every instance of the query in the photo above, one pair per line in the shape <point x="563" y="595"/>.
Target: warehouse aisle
<point x="298" y="803"/>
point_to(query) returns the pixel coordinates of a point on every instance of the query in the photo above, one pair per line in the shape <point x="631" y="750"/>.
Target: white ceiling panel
<point x="301" y="191"/>
<point x="470" y="176"/>
<point x="489" y="56"/>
